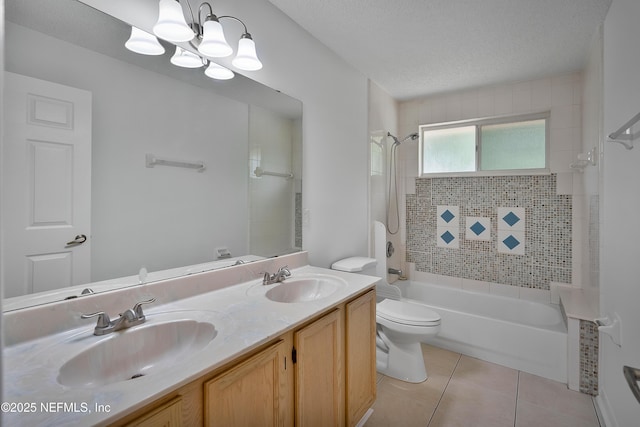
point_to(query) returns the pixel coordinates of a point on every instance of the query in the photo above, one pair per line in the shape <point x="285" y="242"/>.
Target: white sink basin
<point x="305" y="289"/>
<point x="133" y="353"/>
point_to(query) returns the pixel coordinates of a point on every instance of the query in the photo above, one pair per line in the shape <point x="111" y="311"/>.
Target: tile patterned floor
<point x="463" y="391"/>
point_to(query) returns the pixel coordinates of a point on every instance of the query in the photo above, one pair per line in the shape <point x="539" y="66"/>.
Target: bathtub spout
<point x="394" y="271"/>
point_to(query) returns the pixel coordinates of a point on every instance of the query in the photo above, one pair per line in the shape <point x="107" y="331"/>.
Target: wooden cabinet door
<point x="360" y="356"/>
<point x="319" y="395"/>
<point x="253" y="393"/>
<point x="167" y="415"/>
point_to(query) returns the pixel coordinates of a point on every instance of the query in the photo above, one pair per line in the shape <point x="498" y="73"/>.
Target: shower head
<point x="395" y="140"/>
<point x="412" y="137"/>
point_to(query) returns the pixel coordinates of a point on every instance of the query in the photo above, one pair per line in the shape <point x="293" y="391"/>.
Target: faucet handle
<point x="103" y="318"/>
<point x="137" y="309"/>
<point x="285" y="271"/>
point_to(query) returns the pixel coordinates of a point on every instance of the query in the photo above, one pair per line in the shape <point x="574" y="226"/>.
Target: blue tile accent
<point x="447" y="216"/>
<point x="511" y="242"/>
<point x="447" y="237"/>
<point x="511" y="219"/>
<point x="477" y="228"/>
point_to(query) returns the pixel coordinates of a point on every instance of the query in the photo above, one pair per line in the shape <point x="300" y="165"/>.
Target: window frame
<point x="478" y="123"/>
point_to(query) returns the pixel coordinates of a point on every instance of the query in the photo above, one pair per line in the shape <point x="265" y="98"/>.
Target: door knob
<point x="78" y="240"/>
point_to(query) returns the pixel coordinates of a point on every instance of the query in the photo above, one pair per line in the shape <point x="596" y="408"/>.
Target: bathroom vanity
<point x="217" y="348"/>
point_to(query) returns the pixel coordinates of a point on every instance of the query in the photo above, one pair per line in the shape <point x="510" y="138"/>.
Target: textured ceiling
<point x="414" y="48"/>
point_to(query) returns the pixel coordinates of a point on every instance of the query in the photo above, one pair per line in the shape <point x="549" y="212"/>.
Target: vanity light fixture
<point x="218" y="72"/>
<point x="186" y="59"/>
<point x="171" y="24"/>
<point x="143" y="43"/>
<point x="205" y="35"/>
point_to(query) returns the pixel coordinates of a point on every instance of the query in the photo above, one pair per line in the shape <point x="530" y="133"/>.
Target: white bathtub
<point x="524" y="335"/>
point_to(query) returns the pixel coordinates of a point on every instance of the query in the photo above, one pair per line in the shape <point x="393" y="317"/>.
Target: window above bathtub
<point x="513" y="145"/>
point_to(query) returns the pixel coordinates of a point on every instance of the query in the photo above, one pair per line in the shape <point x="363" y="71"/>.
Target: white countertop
<point x="243" y="317"/>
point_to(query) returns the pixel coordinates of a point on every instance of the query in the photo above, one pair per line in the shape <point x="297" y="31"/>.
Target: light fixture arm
<point x="208" y="17"/>
<point x="246" y="32"/>
<point x="193" y="20"/>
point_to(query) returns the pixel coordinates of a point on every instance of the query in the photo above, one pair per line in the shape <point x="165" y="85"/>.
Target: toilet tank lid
<point x="353" y="264"/>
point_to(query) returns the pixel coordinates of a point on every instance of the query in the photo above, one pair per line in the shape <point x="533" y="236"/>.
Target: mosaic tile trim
<point x="588" y="358"/>
<point x="547" y="228"/>
<point x="298" y="220"/>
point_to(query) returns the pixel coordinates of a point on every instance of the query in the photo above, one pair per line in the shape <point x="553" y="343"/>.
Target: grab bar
<point x="624" y="135"/>
<point x="152" y="161"/>
<point x="259" y="172"/>
<point x="632" y="375"/>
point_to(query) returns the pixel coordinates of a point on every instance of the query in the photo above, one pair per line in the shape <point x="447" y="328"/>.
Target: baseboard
<point x="603" y="410"/>
<point x="364" y="418"/>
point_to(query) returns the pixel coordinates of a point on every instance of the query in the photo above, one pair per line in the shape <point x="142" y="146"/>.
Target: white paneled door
<point x="46" y="183"/>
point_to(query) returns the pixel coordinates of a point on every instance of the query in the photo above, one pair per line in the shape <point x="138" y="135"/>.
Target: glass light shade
<point x="143" y="43"/>
<point x="171" y="24"/>
<point x="218" y="72"/>
<point x="213" y="44"/>
<point x="246" y="58"/>
<point x="186" y="59"/>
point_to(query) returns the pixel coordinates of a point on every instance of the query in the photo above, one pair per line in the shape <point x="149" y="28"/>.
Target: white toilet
<point x="402" y="326"/>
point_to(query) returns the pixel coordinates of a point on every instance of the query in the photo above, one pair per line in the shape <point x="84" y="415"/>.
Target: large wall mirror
<point x="98" y="213"/>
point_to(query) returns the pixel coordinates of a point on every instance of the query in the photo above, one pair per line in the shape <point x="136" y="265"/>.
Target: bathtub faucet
<point x="394" y="271"/>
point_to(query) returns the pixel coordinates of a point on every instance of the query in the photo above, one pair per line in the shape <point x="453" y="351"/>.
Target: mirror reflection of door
<point x="46" y="207"/>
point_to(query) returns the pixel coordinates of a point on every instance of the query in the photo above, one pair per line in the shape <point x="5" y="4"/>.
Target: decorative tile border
<point x="477" y="228"/>
<point x="448" y="237"/>
<point x="544" y="221"/>
<point x="448" y="227"/>
<point x="511" y="219"/>
<point x="448" y="216"/>
<point x="511" y="242"/>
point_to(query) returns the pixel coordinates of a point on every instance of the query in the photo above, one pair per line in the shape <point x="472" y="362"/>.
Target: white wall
<point x="587" y="183"/>
<point x="160" y="217"/>
<point x="383" y="118"/>
<point x="620" y="258"/>
<point x="2" y="30"/>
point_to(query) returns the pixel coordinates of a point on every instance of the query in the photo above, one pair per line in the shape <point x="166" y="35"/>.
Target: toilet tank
<point x="364" y="265"/>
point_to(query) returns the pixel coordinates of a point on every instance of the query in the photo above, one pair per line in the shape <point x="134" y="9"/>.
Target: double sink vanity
<point x="213" y="348"/>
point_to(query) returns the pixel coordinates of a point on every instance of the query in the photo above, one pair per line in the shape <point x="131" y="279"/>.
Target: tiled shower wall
<point x="548" y="233"/>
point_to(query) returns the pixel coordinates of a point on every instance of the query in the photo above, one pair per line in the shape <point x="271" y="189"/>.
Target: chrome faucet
<point x="394" y="271"/>
<point x="279" y="276"/>
<point x="131" y="317"/>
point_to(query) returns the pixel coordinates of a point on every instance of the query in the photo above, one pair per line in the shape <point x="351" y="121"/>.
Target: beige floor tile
<point x="439" y="361"/>
<point x="530" y="415"/>
<point x="463" y="391"/>
<point x="555" y="397"/>
<point x="430" y="390"/>
<point x="395" y="409"/>
<point x="485" y="374"/>
<point x="467" y="404"/>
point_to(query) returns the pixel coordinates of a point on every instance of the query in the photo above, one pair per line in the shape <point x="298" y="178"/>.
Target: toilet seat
<point x="407" y="313"/>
